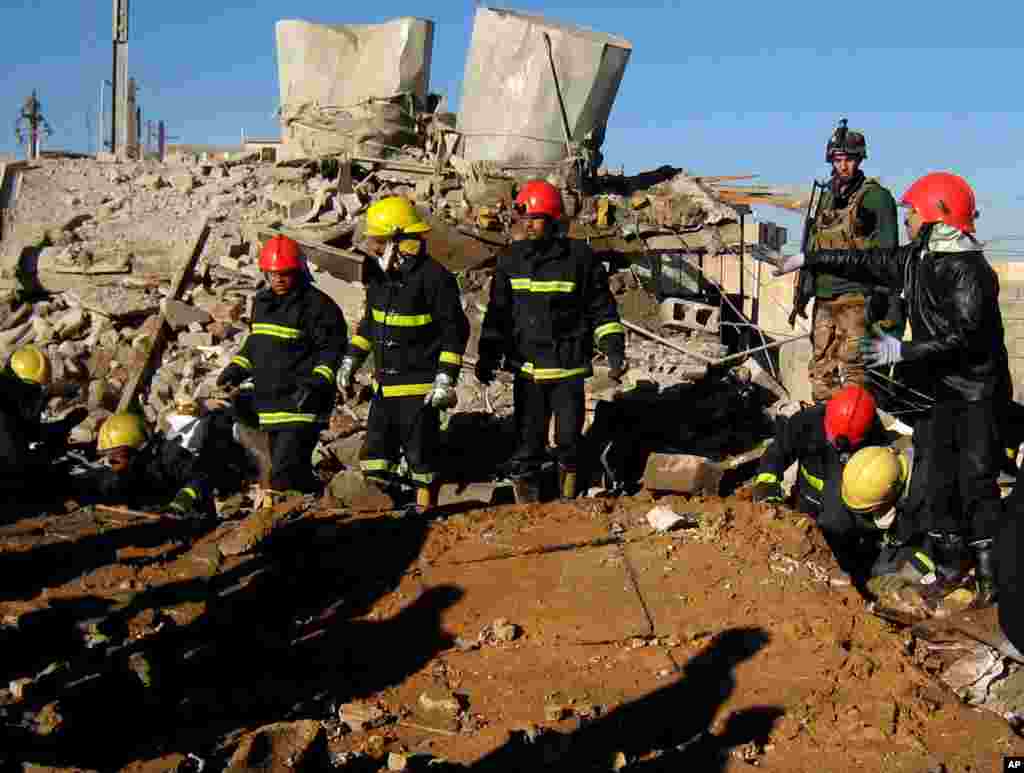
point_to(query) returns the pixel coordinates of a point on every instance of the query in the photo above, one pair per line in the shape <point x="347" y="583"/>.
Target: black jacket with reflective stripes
<point x="161" y="470"/>
<point x="958" y="351"/>
<point x="295" y="339"/>
<point x="414" y="325"/>
<point x="549" y="305"/>
<point x="801" y="438"/>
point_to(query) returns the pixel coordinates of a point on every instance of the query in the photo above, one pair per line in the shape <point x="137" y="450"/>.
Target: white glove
<point x="346" y="373"/>
<point x="443" y="395"/>
<point x="790" y="264"/>
<point x="881" y="351"/>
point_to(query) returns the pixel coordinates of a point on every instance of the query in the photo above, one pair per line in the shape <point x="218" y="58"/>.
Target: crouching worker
<point x="416" y="330"/>
<point x="820" y="439"/>
<point x="141" y="469"/>
<point x="292" y="355"/>
<point x="27" y="444"/>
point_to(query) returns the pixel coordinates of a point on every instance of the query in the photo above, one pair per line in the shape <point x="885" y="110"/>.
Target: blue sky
<point x="717" y="88"/>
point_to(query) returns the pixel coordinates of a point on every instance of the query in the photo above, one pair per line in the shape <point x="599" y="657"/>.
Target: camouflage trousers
<point x="836" y="361"/>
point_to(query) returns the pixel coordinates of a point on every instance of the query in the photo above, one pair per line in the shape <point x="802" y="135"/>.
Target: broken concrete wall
<point x="339" y="83"/>
<point x="509" y="111"/>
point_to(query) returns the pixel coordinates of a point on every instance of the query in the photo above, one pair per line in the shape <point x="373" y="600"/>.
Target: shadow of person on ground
<point x="668" y="730"/>
<point x="283" y="636"/>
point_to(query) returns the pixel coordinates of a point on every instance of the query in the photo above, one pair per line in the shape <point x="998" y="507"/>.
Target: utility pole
<point x="119" y="136"/>
<point x="30" y="125"/>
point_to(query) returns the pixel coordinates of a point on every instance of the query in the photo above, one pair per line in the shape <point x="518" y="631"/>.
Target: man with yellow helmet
<point x="416" y="330"/>
<point x="141" y="468"/>
<point x="23" y="394"/>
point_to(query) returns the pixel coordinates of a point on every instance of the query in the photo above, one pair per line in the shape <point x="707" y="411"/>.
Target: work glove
<point x="617" y="366"/>
<point x="54" y="435"/>
<point x="184" y="505"/>
<point x="484" y="370"/>
<point x="442" y="396"/>
<point x="790" y="264"/>
<point x="766" y="492"/>
<point x="346" y="375"/>
<point x="313" y="395"/>
<point x="233" y="375"/>
<point x="880" y="351"/>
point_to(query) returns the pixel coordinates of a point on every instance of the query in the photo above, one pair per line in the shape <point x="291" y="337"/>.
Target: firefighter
<point x="416" y="330"/>
<point x="292" y="355"/>
<point x="549" y="307"/>
<point x="820" y="438"/>
<point x="958" y="359"/>
<point x="856" y="212"/>
<point x="23" y="394"/>
<point x="140" y="468"/>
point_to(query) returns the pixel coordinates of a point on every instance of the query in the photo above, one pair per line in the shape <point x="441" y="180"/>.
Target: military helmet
<point x="848" y="141"/>
<point x="31" y="365"/>
<point x="122" y="430"/>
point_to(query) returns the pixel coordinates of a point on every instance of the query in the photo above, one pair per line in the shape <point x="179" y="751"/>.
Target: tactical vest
<point x="837" y="229"/>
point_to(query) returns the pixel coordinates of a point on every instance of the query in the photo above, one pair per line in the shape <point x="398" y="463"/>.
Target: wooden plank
<point x="141" y="377"/>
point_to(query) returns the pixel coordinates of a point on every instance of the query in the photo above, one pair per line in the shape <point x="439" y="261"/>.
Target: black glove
<point x="185" y="505"/>
<point x="55" y="434"/>
<point x="614" y="347"/>
<point x="484" y="370"/>
<point x="314" y="395"/>
<point x="233" y="375"/>
<point x="767" y="493"/>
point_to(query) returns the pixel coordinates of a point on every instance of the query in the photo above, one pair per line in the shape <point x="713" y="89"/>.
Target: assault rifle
<point x="803" y="288"/>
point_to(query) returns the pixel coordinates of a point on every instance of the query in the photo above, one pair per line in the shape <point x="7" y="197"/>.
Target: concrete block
<point x="689" y="315"/>
<point x="289" y="203"/>
<point x="180" y="314"/>
<point x="682" y="474"/>
<point x="453" y="493"/>
<point x="192" y="340"/>
<point x="150" y="181"/>
<point x="182" y="182"/>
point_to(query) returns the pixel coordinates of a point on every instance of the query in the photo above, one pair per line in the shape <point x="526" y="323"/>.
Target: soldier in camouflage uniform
<point x="855" y="212"/>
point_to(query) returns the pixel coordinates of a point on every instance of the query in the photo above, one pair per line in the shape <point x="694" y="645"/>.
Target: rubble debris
<point x="361" y="718"/>
<point x="665" y="519"/>
<point x="441" y="701"/>
<point x="256" y="528"/>
<point x="279" y="746"/>
<point x="501" y="630"/>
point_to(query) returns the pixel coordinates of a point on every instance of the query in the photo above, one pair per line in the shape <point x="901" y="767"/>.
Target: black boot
<point x="984" y="572"/>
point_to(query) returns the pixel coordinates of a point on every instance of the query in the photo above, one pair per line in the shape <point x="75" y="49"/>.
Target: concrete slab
<point x="581" y="596"/>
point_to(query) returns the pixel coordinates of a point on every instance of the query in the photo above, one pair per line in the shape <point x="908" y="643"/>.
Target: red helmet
<point x="280" y="254"/>
<point x="539" y="197"/>
<point x="943" y="197"/>
<point x="849" y="415"/>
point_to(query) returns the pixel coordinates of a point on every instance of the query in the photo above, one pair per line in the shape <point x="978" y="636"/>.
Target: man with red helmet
<point x="957" y="356"/>
<point x="549" y="307"/>
<point x="292" y="353"/>
<point x="820" y="438"/>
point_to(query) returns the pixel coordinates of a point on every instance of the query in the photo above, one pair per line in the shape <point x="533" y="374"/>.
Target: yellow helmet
<point x="31" y="365"/>
<point x="873" y="479"/>
<point x="120" y="430"/>
<point x="394" y="216"/>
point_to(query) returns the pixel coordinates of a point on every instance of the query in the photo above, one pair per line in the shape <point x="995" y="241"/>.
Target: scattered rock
<point x="501" y="630"/>
<point x="192" y="340"/>
<point x="351" y="489"/>
<point x="180" y="314"/>
<point x="665" y="519"/>
<point x="441" y="701"/>
<point x="150" y="181"/>
<point x="280" y="746"/>
<point x="182" y="182"/>
<point x="361" y="718"/>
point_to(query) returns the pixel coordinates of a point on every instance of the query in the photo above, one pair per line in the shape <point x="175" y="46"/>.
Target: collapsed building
<point x="706" y="326"/>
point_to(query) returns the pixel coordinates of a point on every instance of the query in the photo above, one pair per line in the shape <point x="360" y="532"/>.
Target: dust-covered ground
<point x="567" y="635"/>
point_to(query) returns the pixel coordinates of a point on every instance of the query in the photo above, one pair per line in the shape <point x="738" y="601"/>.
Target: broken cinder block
<point x="682" y="474"/>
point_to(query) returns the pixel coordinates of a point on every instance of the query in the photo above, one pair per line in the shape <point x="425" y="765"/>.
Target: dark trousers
<point x="1009" y="547"/>
<point x="398" y="424"/>
<point x="535" y="403"/>
<point x="958" y="451"/>
<point x="291" y="452"/>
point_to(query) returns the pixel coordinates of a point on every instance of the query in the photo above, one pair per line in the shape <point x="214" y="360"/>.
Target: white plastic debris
<point x="664" y="519"/>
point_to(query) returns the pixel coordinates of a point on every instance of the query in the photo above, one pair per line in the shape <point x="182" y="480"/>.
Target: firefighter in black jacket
<point x="957" y="355"/>
<point x="23" y="392"/>
<point x="292" y="354"/>
<point x="549" y="305"/>
<point x="416" y="330"/>
<point x="140" y="468"/>
<point x="821" y="439"/>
